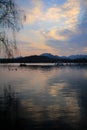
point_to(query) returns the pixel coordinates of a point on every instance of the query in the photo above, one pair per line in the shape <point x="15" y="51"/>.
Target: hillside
<point x="46" y="58"/>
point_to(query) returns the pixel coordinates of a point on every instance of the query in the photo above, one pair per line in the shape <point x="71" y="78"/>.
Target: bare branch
<point x="9" y="19"/>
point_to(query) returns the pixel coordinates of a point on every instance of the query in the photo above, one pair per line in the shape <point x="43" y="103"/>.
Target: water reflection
<point x="55" y="98"/>
<point x="54" y="104"/>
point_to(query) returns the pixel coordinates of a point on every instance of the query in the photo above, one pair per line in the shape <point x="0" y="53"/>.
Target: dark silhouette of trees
<point x="10" y="21"/>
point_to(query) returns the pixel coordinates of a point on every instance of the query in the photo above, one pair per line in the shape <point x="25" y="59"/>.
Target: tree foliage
<point x="9" y="22"/>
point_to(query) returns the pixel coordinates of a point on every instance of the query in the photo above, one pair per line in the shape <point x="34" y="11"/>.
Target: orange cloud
<point x="85" y="50"/>
<point x="50" y="24"/>
<point x="68" y="11"/>
<point x="54" y="34"/>
<point x="28" y="48"/>
<point x="63" y="17"/>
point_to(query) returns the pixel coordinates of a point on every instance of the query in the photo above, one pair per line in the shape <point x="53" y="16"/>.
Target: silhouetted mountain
<point x="46" y="58"/>
<point x="50" y="55"/>
<point x="77" y="56"/>
<point x="64" y="57"/>
<point x="28" y="59"/>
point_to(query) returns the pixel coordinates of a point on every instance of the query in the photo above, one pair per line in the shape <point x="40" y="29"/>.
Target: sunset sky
<point x="53" y="26"/>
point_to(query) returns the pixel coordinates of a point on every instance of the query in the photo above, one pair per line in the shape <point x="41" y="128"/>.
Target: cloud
<point x="33" y="12"/>
<point x="84" y="2"/>
<point x="40" y="46"/>
<point x="53" y="34"/>
<point x="85" y="50"/>
<point x="60" y="28"/>
<point x="58" y="34"/>
<point x="32" y="42"/>
<point x="54" y="19"/>
<point x="71" y="12"/>
<point x="65" y="15"/>
<point x="64" y="48"/>
<point x="77" y="44"/>
<point x="33" y="48"/>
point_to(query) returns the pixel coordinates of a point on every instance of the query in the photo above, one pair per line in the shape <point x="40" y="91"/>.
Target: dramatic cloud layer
<point x="55" y="26"/>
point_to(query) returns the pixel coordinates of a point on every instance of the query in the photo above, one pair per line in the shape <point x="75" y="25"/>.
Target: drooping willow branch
<point x="9" y="20"/>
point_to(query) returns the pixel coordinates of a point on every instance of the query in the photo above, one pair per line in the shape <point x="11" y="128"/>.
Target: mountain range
<point x="49" y="55"/>
<point x="46" y="58"/>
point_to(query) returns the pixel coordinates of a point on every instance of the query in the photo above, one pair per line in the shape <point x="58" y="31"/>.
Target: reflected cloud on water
<point x="55" y="98"/>
<point x="55" y="104"/>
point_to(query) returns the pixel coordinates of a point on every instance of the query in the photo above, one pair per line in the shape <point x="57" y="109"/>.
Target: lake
<point x="48" y="97"/>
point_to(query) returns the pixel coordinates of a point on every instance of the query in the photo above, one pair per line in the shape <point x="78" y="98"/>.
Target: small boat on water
<point x="22" y="64"/>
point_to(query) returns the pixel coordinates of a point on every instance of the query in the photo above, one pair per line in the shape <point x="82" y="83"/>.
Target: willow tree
<point x="10" y="22"/>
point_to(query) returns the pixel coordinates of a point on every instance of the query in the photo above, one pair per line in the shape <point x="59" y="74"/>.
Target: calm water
<point x="49" y="97"/>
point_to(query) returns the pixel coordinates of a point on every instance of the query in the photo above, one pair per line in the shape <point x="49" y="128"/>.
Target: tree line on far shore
<point x="42" y="59"/>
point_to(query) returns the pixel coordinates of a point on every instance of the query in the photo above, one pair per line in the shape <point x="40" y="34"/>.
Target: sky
<point x="53" y="26"/>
